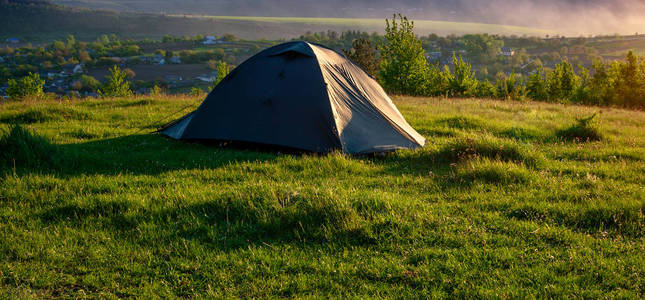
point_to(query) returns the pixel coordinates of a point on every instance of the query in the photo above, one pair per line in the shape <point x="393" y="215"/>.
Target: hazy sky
<point x="571" y="16"/>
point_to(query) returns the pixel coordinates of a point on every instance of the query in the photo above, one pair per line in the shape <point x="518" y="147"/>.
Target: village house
<point x="211" y="40"/>
<point x="71" y="69"/>
<point x="507" y="51"/>
<point x="436" y="55"/>
<point x="207" y="77"/>
<point x="158" y="59"/>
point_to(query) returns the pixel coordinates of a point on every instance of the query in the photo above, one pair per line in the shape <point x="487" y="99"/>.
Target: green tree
<point x="629" y="85"/>
<point x="365" y="55"/>
<point x="561" y="82"/>
<point x="509" y="87"/>
<point x="485" y="89"/>
<point x="28" y="86"/>
<point x="404" y="69"/>
<point x="90" y="84"/>
<point x="600" y="84"/>
<point x="463" y="82"/>
<point x="222" y="70"/>
<point x="536" y="85"/>
<point x="71" y="42"/>
<point x="482" y="48"/>
<point x="117" y="85"/>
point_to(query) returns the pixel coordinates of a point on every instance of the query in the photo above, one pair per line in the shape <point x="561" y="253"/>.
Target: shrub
<point x="118" y="85"/>
<point x="195" y="91"/>
<point x="90" y="84"/>
<point x="462" y="82"/>
<point x="222" y="71"/>
<point x="561" y="82"/>
<point x="485" y="89"/>
<point x="28" y="86"/>
<point x="155" y="90"/>
<point x="509" y="87"/>
<point x="629" y="81"/>
<point x="536" y="85"/>
<point x="404" y="68"/>
<point x="364" y="54"/>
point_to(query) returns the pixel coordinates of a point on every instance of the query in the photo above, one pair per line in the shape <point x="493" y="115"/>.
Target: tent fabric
<point x="304" y="96"/>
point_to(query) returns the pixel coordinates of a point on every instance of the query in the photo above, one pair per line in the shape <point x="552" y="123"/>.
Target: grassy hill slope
<point x="47" y="22"/>
<point x="502" y="202"/>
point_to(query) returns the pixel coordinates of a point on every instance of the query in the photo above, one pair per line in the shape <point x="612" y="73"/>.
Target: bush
<point x="404" y="69"/>
<point x="561" y="82"/>
<point x="155" y="90"/>
<point x="462" y="82"/>
<point x="536" y="85"/>
<point x="90" y="84"/>
<point x="485" y="89"/>
<point x="222" y="71"/>
<point x="364" y="54"/>
<point x="28" y="86"/>
<point x="118" y="85"/>
<point x="195" y="91"/>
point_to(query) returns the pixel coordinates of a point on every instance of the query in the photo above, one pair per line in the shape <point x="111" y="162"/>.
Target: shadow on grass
<point x="145" y="154"/>
<point x="224" y="224"/>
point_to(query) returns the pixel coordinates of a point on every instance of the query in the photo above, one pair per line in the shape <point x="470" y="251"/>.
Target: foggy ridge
<point x="571" y="16"/>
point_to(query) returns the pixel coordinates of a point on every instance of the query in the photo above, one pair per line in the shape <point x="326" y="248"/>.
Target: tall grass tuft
<point x="19" y="148"/>
<point x="584" y="130"/>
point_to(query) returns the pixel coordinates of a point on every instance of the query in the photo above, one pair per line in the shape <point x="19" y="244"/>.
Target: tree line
<point x="403" y="69"/>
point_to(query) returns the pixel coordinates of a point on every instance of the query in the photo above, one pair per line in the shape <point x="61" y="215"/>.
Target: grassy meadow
<point x="507" y="199"/>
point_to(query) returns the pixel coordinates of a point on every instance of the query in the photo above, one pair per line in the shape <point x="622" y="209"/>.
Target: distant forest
<point x="41" y="20"/>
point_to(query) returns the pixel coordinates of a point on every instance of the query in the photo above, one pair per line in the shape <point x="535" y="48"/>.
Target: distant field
<point x="500" y="203"/>
<point x="422" y="27"/>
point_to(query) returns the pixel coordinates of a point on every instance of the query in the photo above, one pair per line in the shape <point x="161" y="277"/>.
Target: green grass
<point x="499" y="204"/>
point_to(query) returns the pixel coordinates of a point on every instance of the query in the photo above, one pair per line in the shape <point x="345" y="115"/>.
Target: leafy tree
<point x="84" y="56"/>
<point x="600" y="84"/>
<point x="463" y="82"/>
<point x="59" y="45"/>
<point x="28" y="86"/>
<point x="536" y="85"/>
<point x="155" y="90"/>
<point x="582" y="91"/>
<point x="117" y="85"/>
<point x="437" y="80"/>
<point x="222" y="70"/>
<point x="195" y="91"/>
<point x="90" y="84"/>
<point x="130" y="74"/>
<point x="364" y="54"/>
<point x="404" y="69"/>
<point x="71" y="42"/>
<point x="104" y="40"/>
<point x="482" y="48"/>
<point x="629" y="89"/>
<point x="485" y="89"/>
<point x="561" y="82"/>
<point x="509" y="87"/>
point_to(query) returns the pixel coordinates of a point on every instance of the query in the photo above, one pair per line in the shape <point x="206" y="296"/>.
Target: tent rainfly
<point x="302" y="96"/>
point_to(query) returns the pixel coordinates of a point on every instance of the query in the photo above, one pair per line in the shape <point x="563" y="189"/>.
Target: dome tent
<point x="303" y="96"/>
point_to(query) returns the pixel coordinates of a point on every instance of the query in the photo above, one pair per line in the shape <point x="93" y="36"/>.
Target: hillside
<point x="570" y="17"/>
<point x="48" y="22"/>
<point x="507" y="200"/>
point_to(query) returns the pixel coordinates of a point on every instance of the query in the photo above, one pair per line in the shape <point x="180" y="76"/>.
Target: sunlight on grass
<point x="505" y="200"/>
